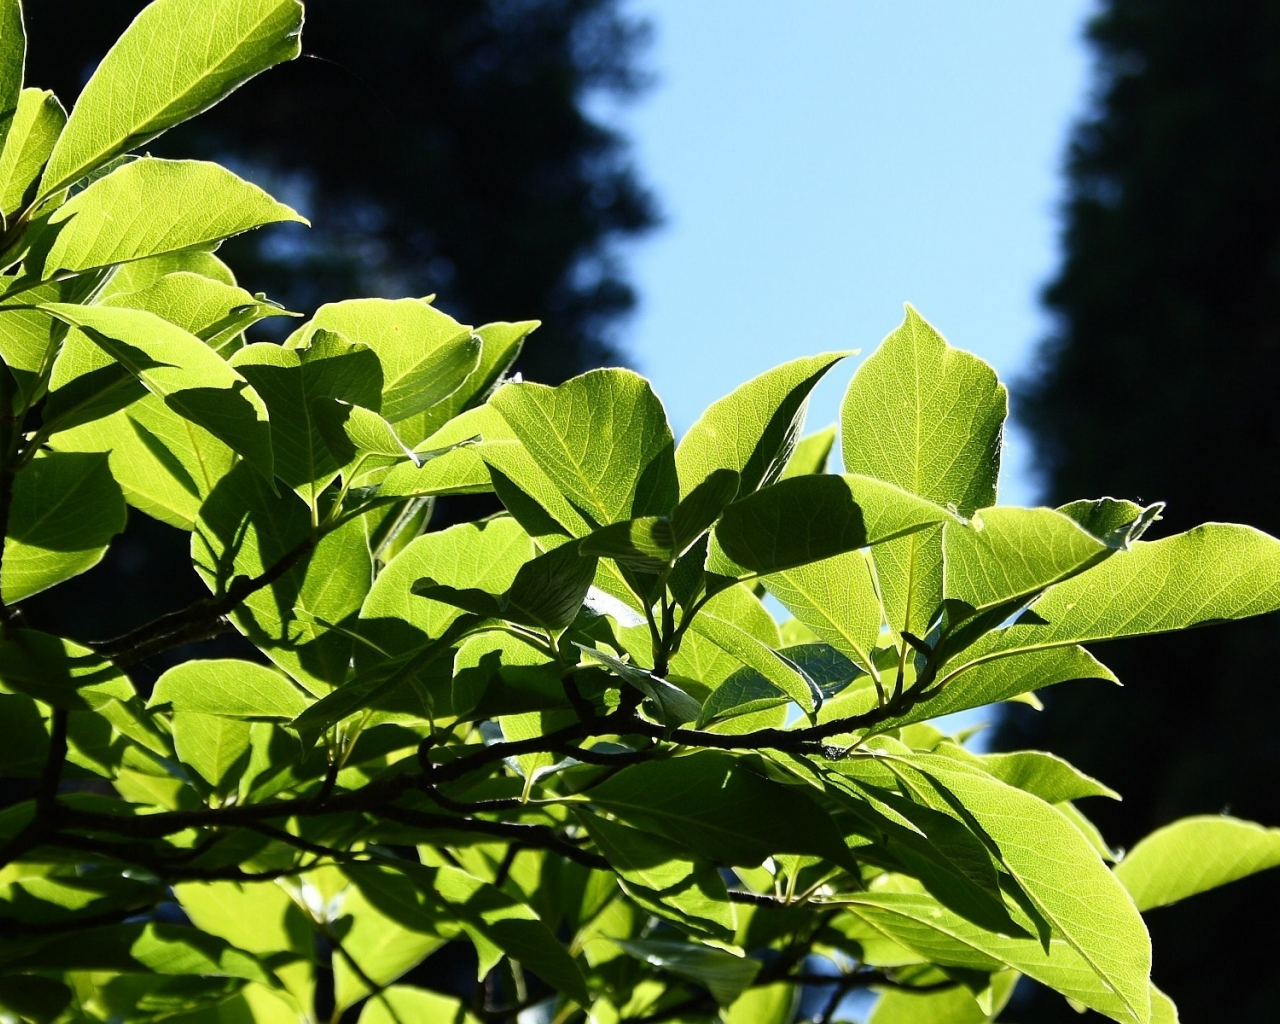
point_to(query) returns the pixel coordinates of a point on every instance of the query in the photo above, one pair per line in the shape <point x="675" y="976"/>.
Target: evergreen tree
<point x="1159" y="381"/>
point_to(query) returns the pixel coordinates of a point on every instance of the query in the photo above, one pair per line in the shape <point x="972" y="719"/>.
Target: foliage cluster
<point x="569" y="740"/>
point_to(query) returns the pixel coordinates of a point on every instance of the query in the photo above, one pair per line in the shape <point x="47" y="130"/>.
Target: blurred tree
<point x="441" y="147"/>
<point x="1159" y="382"/>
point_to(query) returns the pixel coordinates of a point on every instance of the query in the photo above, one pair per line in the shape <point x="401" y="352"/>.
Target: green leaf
<point x="244" y="530"/>
<point x="177" y="59"/>
<point x="503" y="921"/>
<point x="1059" y="870"/>
<point x="13" y="53"/>
<point x="754" y="429"/>
<point x="675" y="706"/>
<point x="352" y="430"/>
<point x="1208" y="574"/>
<point x="230" y="688"/>
<point x="811" y="454"/>
<point x="837" y="599"/>
<point x="1003" y="554"/>
<point x="664" y="878"/>
<point x="1047" y="776"/>
<point x="500" y="344"/>
<point x="291" y="381"/>
<point x="773" y="665"/>
<point x="952" y="1006"/>
<point x="710" y="802"/>
<point x="601" y="438"/>
<point x="145" y="208"/>
<point x="36" y="125"/>
<point x="1194" y="855"/>
<point x="30" y="339"/>
<point x="426" y="356"/>
<point x="723" y="974"/>
<point x="943" y="937"/>
<point x="484" y="556"/>
<point x="211" y="744"/>
<point x="809" y="518"/>
<point x="66" y="509"/>
<point x="58" y="672"/>
<point x="150" y="948"/>
<point x="215" y="312"/>
<point x="654" y="543"/>
<point x="165" y="464"/>
<point x="193" y="380"/>
<point x="1113" y="520"/>
<point x="400" y="1004"/>
<point x="928" y="418"/>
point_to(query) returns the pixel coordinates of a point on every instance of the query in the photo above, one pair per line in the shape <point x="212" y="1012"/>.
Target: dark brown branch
<point x="199" y="620"/>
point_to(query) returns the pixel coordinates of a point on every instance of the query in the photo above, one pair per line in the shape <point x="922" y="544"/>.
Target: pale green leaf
<point x="244" y="529"/>
<point x="1044" y="775"/>
<point x="36" y="125"/>
<point x="754" y="429"/>
<point x="950" y="1006"/>
<point x="227" y="687"/>
<point x="352" y="431"/>
<point x="146" y="208"/>
<point x="776" y="667"/>
<point x="1193" y="855"/>
<point x="178" y="58"/>
<point x="66" y="509"/>
<point x="165" y="464"/>
<point x="674" y="705"/>
<point x="30" y="340"/>
<point x="500" y="344"/>
<point x="836" y="598"/>
<point x="290" y="381"/>
<point x="193" y="380"/>
<point x="602" y="438"/>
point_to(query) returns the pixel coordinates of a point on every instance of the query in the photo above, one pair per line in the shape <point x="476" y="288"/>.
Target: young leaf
<point x="211" y="744"/>
<point x="601" y="438"/>
<point x="66" y="508"/>
<point x="1194" y="855"/>
<point x="30" y="340"/>
<point x="776" y="667"/>
<point x="500" y="344"/>
<point x="928" y="418"/>
<point x="233" y="689"/>
<point x="146" y="208"/>
<point x="352" y="430"/>
<point x="192" y="379"/>
<point x="36" y="125"/>
<point x="177" y="59"/>
<point x="754" y="429"/>
<point x="676" y="706"/>
<point x="400" y="1003"/>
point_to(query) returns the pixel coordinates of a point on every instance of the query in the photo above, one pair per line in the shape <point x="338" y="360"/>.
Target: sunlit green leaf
<point x="36" y="124"/>
<point x="235" y="689"/>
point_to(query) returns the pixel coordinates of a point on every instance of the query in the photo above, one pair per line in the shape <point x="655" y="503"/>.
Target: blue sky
<point x="823" y="161"/>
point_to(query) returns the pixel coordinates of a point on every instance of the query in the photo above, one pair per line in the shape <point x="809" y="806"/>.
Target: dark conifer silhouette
<point x="1160" y="382"/>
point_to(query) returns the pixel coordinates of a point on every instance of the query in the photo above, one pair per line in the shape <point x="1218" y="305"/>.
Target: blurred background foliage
<point x="1159" y="381"/>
